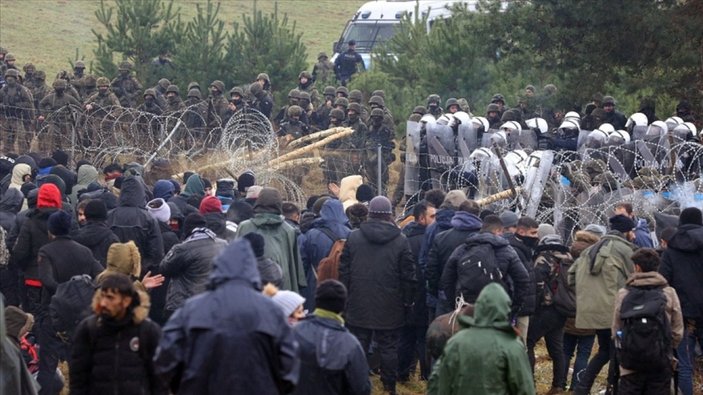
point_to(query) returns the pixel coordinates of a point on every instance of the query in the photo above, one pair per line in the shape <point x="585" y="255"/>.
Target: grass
<point x="48" y="32"/>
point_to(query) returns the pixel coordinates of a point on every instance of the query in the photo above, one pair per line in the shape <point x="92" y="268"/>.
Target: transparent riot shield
<point x="412" y="158"/>
<point x="535" y="183"/>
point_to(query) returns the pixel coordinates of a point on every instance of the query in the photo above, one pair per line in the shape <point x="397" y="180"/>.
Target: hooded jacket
<point x="682" y="269"/>
<point x="415" y="232"/>
<point x="131" y="221"/>
<point x="32" y="236"/>
<point x="196" y="351"/>
<point x="97" y="237"/>
<point x="194" y="191"/>
<point x="598" y="274"/>
<point x="15" y="378"/>
<point x="525" y="254"/>
<point x="486" y="356"/>
<point x="281" y="246"/>
<point x="515" y="277"/>
<point x="377" y="267"/>
<point x="673" y="307"/>
<point x="463" y="225"/>
<point x="315" y="244"/>
<point x="18" y="172"/>
<point x="10" y="204"/>
<point x="87" y="174"/>
<point x="332" y="359"/>
<point x="110" y="356"/>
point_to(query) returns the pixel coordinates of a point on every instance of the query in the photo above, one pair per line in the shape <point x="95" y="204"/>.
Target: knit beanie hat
<point x="331" y="295"/>
<point x="596" y="229"/>
<point x="357" y="213"/>
<point x="95" y="209"/>
<point x="621" y="223"/>
<point x="257" y="243"/>
<point x="124" y="258"/>
<point x="210" y="204"/>
<point x="454" y="199"/>
<point x="164" y="189"/>
<point x="176" y="186"/>
<point x="508" y="218"/>
<point x="550" y="239"/>
<point x="288" y="301"/>
<point x="60" y="157"/>
<point x="192" y="221"/>
<point x="691" y="215"/>
<point x="380" y="205"/>
<point x="253" y="192"/>
<point x="244" y="181"/>
<point x="269" y="201"/>
<point x="545" y="230"/>
<point x="49" y="196"/>
<point x="364" y="193"/>
<point x="59" y="223"/>
<point x="27" y="187"/>
<point x="159" y="210"/>
<point x="317" y="206"/>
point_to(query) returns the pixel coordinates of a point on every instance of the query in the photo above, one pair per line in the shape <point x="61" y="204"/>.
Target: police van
<point x="376" y="22"/>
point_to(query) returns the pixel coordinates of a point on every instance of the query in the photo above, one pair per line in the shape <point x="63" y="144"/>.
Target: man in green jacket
<point x="487" y="356"/>
<point x="598" y="274"/>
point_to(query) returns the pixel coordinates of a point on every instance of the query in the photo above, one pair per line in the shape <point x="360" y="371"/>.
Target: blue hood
<point x="444" y="218"/>
<point x="466" y="221"/>
<point x="164" y="189"/>
<point x="333" y="218"/>
<point x="235" y="262"/>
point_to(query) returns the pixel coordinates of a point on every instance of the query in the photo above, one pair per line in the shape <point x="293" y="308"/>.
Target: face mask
<point x="124" y="73"/>
<point x="103" y="91"/>
<point x="148" y="100"/>
<point x="377" y="121"/>
<point x="59" y="91"/>
<point x="353" y="116"/>
<point x="528" y="241"/>
<point x="11" y="81"/>
<point x="237" y="101"/>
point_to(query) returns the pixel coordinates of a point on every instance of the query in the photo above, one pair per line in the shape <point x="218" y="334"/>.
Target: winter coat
<point x="681" y="267"/>
<point x="281" y="246"/>
<point x="442" y="222"/>
<point x="33" y="235"/>
<point x="486" y="357"/>
<point x="197" y="353"/>
<point x="168" y="237"/>
<point x="315" y="244"/>
<point x="15" y="378"/>
<point x="97" y="237"/>
<point x="643" y="238"/>
<point x="10" y="204"/>
<point x="525" y="254"/>
<point x="182" y="203"/>
<point x="415" y="232"/>
<point x="87" y="174"/>
<point x="377" y="268"/>
<point x="549" y="259"/>
<point x="515" y="276"/>
<point x="463" y="225"/>
<point x="582" y="240"/>
<point x="131" y="221"/>
<point x="673" y="307"/>
<point x="217" y="223"/>
<point x="188" y="265"/>
<point x="598" y="274"/>
<point x="115" y="357"/>
<point x="332" y="360"/>
<point x="61" y="259"/>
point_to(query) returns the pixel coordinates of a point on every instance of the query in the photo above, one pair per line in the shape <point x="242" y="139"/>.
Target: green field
<point x="48" y="32"/>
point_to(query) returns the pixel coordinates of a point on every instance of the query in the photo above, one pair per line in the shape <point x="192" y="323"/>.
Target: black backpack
<point x="477" y="268"/>
<point x="71" y="304"/>
<point x="644" y="341"/>
<point x="565" y="296"/>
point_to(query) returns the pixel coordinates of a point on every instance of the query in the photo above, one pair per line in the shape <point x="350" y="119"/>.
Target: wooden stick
<point x="304" y="150"/>
<point x="317" y="135"/>
<point x="507" y="194"/>
<point x="297" y="162"/>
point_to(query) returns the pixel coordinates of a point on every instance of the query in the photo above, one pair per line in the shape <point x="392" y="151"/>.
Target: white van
<point x="376" y="22"/>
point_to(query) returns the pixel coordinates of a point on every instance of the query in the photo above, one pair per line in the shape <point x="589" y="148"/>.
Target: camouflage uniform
<point x="160" y="90"/>
<point x="378" y="102"/>
<point x="30" y="80"/>
<point x="41" y="89"/>
<point x="320" y="118"/>
<point x="98" y="106"/>
<point x="64" y="75"/>
<point x="57" y="111"/>
<point x="263" y="102"/>
<point x="323" y="70"/>
<point x="309" y="87"/>
<point x="88" y="86"/>
<point x="126" y="87"/>
<point x="293" y="128"/>
<point x="150" y="104"/>
<point x="173" y="100"/>
<point x="378" y="134"/>
<point x="17" y="112"/>
<point x="282" y="115"/>
<point x="77" y="79"/>
<point x="195" y="115"/>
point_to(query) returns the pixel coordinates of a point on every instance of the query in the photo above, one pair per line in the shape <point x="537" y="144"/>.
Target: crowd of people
<point x="145" y="283"/>
<point x="188" y="275"/>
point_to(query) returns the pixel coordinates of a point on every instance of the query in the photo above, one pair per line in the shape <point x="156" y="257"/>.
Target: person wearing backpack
<point x="484" y="258"/>
<point x="598" y="274"/>
<point x="58" y="261"/>
<point x="113" y="349"/>
<point x="551" y="262"/>
<point x="647" y="326"/>
<point x="682" y="269"/>
<point x="316" y="244"/>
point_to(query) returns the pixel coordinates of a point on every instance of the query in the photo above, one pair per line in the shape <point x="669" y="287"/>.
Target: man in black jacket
<point x="524" y="241"/>
<point x="58" y="261"/>
<point x="332" y="360"/>
<point x="118" y="331"/>
<point x="131" y="221"/>
<point x="95" y="234"/>
<point x="412" y="339"/>
<point x="681" y="266"/>
<point x="377" y="268"/>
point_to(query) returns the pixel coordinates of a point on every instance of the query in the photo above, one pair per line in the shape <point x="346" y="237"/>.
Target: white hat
<point x="159" y="210"/>
<point x="288" y="301"/>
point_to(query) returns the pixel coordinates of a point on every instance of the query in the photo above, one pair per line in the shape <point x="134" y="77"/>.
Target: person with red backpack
<point x="647" y="327"/>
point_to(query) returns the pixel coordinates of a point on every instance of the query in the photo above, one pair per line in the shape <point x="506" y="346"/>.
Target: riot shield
<point x="536" y="181"/>
<point x="412" y="160"/>
<point x="639" y="131"/>
<point x="486" y="138"/>
<point x="440" y="143"/>
<point x="583" y="136"/>
<point x="528" y="139"/>
<point x="467" y="141"/>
